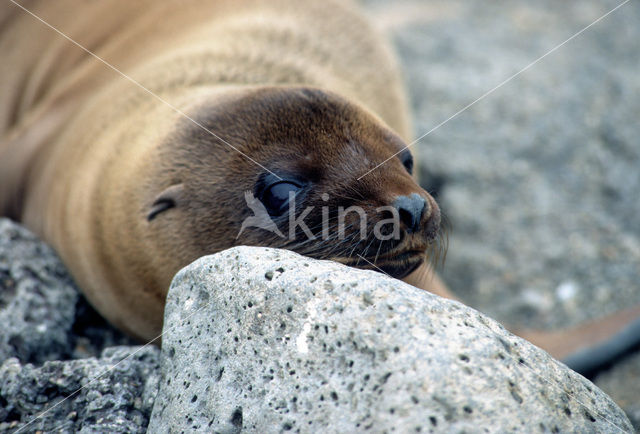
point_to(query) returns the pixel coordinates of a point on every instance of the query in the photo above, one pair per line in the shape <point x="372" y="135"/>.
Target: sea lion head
<point x="294" y="168"/>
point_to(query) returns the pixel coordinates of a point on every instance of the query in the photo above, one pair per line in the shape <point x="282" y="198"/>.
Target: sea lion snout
<point x="411" y="208"/>
<point x="418" y="213"/>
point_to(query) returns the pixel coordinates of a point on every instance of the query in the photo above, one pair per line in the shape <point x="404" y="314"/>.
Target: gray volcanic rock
<point x="266" y="340"/>
<point x="44" y="318"/>
<point x="114" y="393"/>
<point x="43" y="315"/>
<point x="37" y="298"/>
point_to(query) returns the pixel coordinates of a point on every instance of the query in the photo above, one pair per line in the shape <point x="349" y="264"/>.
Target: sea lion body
<point x="109" y="147"/>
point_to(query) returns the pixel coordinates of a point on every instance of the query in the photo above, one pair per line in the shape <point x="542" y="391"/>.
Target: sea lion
<point x="128" y="190"/>
<point x="135" y="160"/>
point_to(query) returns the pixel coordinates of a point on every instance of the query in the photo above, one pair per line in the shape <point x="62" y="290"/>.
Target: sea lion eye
<point x="407" y="160"/>
<point x="276" y="197"/>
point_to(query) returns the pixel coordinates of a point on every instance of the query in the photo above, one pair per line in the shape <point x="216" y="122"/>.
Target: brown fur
<point x="250" y="71"/>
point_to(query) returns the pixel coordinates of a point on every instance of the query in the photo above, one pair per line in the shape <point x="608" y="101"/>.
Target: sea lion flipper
<point x="589" y="347"/>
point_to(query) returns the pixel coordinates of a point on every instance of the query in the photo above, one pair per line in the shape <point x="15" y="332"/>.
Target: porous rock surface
<point x="37" y="298"/>
<point x="43" y="315"/>
<point x="112" y="394"/>
<point x="266" y="340"/>
<point x="45" y="324"/>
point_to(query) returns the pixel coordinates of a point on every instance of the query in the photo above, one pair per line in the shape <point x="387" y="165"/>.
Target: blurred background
<point x="541" y="179"/>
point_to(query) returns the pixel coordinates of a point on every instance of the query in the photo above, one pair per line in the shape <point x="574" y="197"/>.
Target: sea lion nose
<point x="411" y="208"/>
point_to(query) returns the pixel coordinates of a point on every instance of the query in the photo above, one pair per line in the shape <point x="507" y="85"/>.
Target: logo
<point x="260" y="218"/>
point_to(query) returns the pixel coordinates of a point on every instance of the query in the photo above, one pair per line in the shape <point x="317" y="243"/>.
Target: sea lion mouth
<point x="397" y="265"/>
<point x="402" y="269"/>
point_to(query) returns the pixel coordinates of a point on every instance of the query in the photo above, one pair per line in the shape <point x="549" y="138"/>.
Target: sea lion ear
<point x="168" y="199"/>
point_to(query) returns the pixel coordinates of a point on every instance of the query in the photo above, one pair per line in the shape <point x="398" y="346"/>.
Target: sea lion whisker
<point x="353" y="189"/>
<point x="354" y="248"/>
<point x="347" y="239"/>
<point x="375" y="260"/>
<point x="299" y="244"/>
<point x="340" y="244"/>
<point x="368" y="246"/>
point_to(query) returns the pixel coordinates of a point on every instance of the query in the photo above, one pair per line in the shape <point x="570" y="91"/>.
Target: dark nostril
<point x="410" y="208"/>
